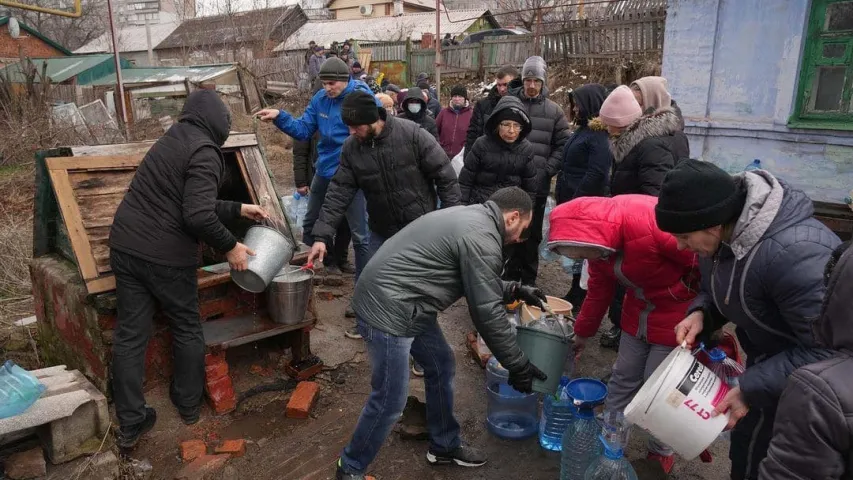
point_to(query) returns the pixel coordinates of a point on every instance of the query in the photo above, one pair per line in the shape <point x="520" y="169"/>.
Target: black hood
<point x="833" y="327"/>
<point x="415" y="94"/>
<point x="588" y="99"/>
<point x="512" y="106"/>
<point x="207" y="111"/>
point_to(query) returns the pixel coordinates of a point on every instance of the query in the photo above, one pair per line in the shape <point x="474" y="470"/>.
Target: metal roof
<point x="380" y="29"/>
<point x="199" y="73"/>
<point x="86" y="68"/>
<point x="239" y="27"/>
<point x="132" y="38"/>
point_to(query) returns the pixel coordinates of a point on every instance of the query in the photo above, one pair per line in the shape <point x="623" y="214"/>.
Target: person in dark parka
<point x="169" y="207"/>
<point x="814" y="423"/>
<point x="433" y="105"/>
<point x="502" y="157"/>
<point x="482" y="109"/>
<point x="652" y="95"/>
<point x="762" y="258"/>
<point x="586" y="164"/>
<point x="414" y="108"/>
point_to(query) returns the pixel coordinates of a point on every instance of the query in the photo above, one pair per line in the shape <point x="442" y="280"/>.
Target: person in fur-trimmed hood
<point x="644" y="148"/>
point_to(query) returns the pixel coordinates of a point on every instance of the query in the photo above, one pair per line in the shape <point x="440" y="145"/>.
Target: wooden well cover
<point x="90" y="185"/>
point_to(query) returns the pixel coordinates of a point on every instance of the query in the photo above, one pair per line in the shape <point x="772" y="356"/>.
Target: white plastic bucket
<point x="676" y="402"/>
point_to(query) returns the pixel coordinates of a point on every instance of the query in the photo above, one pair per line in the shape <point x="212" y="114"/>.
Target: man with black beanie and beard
<point x="762" y="257"/>
<point x="401" y="169"/>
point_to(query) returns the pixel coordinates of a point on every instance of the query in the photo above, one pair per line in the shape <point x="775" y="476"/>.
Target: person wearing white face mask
<point x="622" y="243"/>
<point x="414" y="109"/>
<point x="452" y="121"/>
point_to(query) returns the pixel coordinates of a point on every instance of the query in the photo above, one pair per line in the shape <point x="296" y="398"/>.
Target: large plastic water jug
<point x="296" y="207"/>
<point x="612" y="465"/>
<point x="544" y="252"/>
<point x="19" y="389"/>
<point x="511" y="414"/>
<point x="581" y="444"/>
<point x="558" y="412"/>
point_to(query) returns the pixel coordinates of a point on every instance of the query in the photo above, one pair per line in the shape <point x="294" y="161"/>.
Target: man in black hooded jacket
<point x="170" y="205"/>
<point x="415" y="109"/>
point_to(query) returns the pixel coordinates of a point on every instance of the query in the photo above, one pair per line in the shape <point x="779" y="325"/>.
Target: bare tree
<point x="71" y="33"/>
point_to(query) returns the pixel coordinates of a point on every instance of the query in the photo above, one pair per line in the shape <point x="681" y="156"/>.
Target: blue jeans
<point x="389" y="361"/>
<point x="356" y="217"/>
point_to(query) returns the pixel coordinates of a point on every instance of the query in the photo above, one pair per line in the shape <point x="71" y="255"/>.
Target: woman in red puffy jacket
<point x="621" y="241"/>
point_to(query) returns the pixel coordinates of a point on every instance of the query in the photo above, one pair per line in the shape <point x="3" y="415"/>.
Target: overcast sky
<point x="213" y="7"/>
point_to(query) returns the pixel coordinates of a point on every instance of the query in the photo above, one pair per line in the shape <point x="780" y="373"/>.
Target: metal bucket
<point x="288" y="295"/>
<point x="548" y="352"/>
<point x="272" y="251"/>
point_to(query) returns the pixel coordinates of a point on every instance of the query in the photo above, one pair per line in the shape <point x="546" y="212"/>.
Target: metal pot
<point x="272" y="251"/>
<point x="288" y="295"/>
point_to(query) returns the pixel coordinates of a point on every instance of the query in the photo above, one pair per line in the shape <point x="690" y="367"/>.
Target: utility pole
<point x="537" y="31"/>
<point x="438" y="49"/>
<point x="118" y="70"/>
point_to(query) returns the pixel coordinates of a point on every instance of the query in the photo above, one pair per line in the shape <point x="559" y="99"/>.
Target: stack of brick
<point x="217" y="383"/>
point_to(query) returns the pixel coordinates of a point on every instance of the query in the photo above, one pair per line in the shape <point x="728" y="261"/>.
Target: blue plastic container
<point x="511" y="414"/>
<point x="581" y="445"/>
<point x="558" y="412"/>
<point x="19" y="389"/>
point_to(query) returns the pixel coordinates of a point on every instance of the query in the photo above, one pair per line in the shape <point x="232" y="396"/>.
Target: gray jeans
<point x="636" y="362"/>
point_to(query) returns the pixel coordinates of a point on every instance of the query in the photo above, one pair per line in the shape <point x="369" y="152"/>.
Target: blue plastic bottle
<point x="612" y="465"/>
<point x="581" y="445"/>
<point x="755" y="165"/>
<point x="558" y="411"/>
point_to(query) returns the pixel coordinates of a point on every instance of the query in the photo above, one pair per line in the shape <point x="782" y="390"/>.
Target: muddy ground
<point x="281" y="448"/>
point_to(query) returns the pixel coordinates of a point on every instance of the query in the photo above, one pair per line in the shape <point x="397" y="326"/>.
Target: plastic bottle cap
<point x="717" y="355"/>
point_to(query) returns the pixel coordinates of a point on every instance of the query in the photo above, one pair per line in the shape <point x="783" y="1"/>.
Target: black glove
<point x="531" y="296"/>
<point x="522" y="379"/>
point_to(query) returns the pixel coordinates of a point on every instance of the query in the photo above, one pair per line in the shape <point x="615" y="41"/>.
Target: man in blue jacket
<point x="762" y="264"/>
<point x="324" y="115"/>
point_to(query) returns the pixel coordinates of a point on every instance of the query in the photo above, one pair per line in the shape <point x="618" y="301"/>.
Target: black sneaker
<point x="347" y="268"/>
<point x="129" y="436"/>
<point x="333" y="271"/>
<point x="610" y="338"/>
<point x="340" y="474"/>
<point x="464" y="456"/>
<point x="190" y="416"/>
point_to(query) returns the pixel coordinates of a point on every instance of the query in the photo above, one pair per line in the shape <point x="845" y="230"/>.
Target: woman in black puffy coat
<point x="502" y="157"/>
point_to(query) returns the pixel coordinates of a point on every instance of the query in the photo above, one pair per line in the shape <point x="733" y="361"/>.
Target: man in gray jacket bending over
<point x="418" y="272"/>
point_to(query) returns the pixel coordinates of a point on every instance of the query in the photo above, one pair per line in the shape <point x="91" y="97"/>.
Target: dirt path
<point x="282" y="448"/>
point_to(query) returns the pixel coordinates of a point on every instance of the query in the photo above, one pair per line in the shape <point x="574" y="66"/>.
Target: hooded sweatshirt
<point x="660" y="280"/>
<point x="322" y="115"/>
<point x="814" y="422"/>
<point x="586" y="157"/>
<point x="768" y="280"/>
<point x="656" y="96"/>
<point x="492" y="163"/>
<point x="452" y="125"/>
<point x="422" y="118"/>
<point x="171" y="202"/>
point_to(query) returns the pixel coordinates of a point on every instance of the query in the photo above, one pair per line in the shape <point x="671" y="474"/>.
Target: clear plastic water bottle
<point x="581" y="444"/>
<point x="612" y="465"/>
<point x="296" y="207"/>
<point x="558" y="412"/>
<point x="754" y="165"/>
<point x="546" y="254"/>
<point x="726" y="368"/>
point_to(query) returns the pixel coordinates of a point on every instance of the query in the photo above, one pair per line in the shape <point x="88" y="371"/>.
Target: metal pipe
<point x="118" y="70"/>
<point x="438" y="50"/>
<point x="76" y="13"/>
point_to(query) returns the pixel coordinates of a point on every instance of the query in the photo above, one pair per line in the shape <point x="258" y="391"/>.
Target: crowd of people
<point x="676" y="248"/>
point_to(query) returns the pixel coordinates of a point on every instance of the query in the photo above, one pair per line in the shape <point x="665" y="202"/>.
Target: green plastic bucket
<point x="548" y="352"/>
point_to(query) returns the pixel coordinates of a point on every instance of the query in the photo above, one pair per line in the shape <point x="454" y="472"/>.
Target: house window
<point x="825" y="96"/>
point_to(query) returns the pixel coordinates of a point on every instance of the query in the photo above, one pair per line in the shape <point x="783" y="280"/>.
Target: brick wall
<point x="32" y="46"/>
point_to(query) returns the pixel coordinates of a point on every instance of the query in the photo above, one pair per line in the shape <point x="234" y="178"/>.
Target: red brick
<point x="28" y="464"/>
<point x="214" y="358"/>
<point x="201" y="467"/>
<point x="220" y="392"/>
<point x="192" y="449"/>
<point x="236" y="448"/>
<point x="302" y="400"/>
<point x="217" y="370"/>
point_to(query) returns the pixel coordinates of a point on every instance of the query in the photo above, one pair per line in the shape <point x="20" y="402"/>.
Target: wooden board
<point x="90" y="185"/>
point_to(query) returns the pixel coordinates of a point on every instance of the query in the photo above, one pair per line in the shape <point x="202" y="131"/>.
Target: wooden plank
<point x="267" y="197"/>
<point x="235" y="140"/>
<point x="74" y="222"/>
<point x="94" y="163"/>
<point x="101" y="284"/>
<point x="98" y="210"/>
<point x="89" y="183"/>
<point x="246" y="178"/>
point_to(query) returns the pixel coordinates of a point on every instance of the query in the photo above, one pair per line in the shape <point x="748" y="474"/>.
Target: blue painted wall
<point x="733" y="67"/>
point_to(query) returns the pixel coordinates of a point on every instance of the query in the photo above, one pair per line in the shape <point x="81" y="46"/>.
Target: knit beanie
<point x="655" y="94"/>
<point x="534" y="67"/>
<point x="423" y="76"/>
<point x="696" y="195"/>
<point x="356" y="65"/>
<point x="334" y="69"/>
<point x="359" y="108"/>
<point x="459" y="90"/>
<point x="620" y="108"/>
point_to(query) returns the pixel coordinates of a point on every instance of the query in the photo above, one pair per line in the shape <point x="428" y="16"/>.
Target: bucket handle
<point x="669" y="367"/>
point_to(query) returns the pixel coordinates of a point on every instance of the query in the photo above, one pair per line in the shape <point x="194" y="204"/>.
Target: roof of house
<point x="132" y="38"/>
<point x="416" y="3"/>
<point x="382" y="29"/>
<point x="200" y="73"/>
<point x="32" y="31"/>
<point x="60" y="69"/>
<point x="240" y="27"/>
